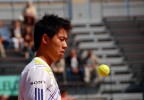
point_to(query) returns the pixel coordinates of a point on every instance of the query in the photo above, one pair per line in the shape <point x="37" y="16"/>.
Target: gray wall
<point x="107" y="9"/>
<point x="79" y="11"/>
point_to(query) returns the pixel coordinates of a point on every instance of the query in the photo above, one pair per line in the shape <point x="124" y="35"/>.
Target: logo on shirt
<point x="38" y="94"/>
<point x="38" y="62"/>
<point x="37" y="82"/>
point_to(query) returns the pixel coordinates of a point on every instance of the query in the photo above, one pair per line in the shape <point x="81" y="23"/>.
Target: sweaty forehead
<point x="62" y="32"/>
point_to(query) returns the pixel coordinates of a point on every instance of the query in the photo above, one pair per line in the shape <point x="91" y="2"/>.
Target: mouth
<point x="62" y="52"/>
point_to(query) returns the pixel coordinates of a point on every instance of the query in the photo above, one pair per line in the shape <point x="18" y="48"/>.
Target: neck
<point x="44" y="57"/>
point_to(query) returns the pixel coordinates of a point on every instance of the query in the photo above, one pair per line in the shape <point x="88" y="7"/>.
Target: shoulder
<point x="33" y="70"/>
<point x="36" y="76"/>
<point x="37" y="71"/>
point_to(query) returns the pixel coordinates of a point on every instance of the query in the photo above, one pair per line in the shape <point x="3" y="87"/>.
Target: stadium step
<point x="94" y="45"/>
<point x="87" y="30"/>
<point x="121" y="78"/>
<point x="13" y="63"/>
<point x="12" y="59"/>
<point x="128" y="33"/>
<point x="113" y="88"/>
<point x="132" y="48"/>
<point x="13" y="53"/>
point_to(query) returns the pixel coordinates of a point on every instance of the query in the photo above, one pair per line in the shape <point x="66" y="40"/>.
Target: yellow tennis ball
<point x="103" y="70"/>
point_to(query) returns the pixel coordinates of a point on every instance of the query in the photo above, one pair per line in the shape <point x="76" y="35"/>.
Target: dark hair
<point x="50" y="24"/>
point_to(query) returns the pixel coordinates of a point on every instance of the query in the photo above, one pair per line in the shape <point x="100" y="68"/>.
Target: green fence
<point x="9" y="85"/>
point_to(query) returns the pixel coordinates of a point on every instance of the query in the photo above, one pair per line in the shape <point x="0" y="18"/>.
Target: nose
<point x="64" y="46"/>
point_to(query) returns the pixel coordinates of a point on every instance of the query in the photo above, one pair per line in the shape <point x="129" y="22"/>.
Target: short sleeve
<point x="37" y="81"/>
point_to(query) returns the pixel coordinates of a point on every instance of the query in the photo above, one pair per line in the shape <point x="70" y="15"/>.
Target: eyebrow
<point x="63" y="36"/>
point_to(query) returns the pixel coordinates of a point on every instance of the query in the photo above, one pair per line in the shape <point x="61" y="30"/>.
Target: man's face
<point x="57" y="45"/>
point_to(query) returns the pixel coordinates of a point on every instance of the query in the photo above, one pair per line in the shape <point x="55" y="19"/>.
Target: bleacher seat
<point x="112" y="60"/>
<point x="120" y="78"/>
<point x="94" y="45"/>
<point x="87" y="29"/>
<point x="120" y="69"/>
<point x="87" y="22"/>
<point x="128" y="96"/>
<point x="107" y="52"/>
<point x="13" y="64"/>
<point x="85" y="37"/>
<point x="113" y="88"/>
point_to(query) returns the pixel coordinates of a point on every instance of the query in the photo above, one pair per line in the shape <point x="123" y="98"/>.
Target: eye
<point x="62" y="38"/>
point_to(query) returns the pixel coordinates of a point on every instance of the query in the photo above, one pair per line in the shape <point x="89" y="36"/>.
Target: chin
<point x="58" y="58"/>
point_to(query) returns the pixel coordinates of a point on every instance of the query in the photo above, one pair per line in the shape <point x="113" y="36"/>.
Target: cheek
<point x="56" y="47"/>
<point x="56" y="44"/>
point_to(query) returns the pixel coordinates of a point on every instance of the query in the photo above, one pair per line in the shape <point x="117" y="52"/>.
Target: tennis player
<point x="37" y="81"/>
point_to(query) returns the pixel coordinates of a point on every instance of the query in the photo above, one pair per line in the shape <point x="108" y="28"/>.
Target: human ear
<point x="45" y="39"/>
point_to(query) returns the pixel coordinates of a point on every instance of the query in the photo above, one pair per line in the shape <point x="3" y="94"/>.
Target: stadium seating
<point x="12" y="64"/>
<point x="128" y="33"/>
<point x="115" y="96"/>
<point x="90" y="35"/>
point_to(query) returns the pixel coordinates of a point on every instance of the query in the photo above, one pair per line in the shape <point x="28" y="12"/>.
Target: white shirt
<point x="37" y="82"/>
<point x="74" y="62"/>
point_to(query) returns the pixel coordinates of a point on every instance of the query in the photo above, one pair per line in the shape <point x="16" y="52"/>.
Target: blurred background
<point x="104" y="31"/>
